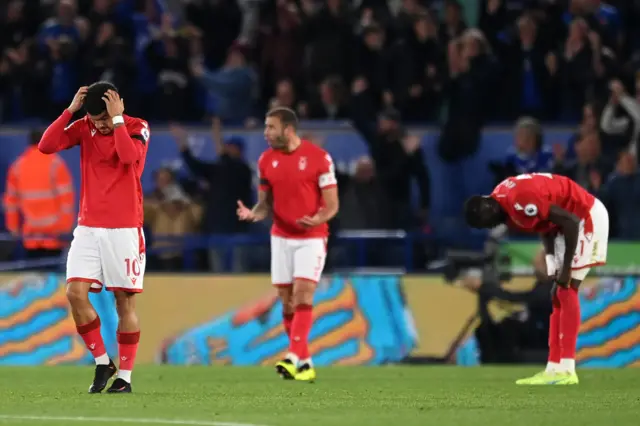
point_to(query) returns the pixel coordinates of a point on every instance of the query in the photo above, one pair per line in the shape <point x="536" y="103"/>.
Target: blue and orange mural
<point x="36" y="326"/>
<point x="610" y="330"/>
<point x="362" y="319"/>
<point x="357" y="320"/>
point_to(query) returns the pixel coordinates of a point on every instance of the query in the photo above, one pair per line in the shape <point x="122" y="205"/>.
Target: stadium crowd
<point x="458" y="64"/>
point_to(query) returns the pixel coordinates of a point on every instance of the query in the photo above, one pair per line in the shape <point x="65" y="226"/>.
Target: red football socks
<point x="555" y="351"/>
<point x="127" y="349"/>
<point x="287" y="320"/>
<point x="90" y="333"/>
<point x="569" y="321"/>
<point x="300" y="328"/>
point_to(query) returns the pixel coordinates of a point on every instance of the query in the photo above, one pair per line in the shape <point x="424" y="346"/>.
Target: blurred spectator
<point x="61" y="39"/>
<point x="281" y="44"/>
<point x="169" y="213"/>
<point x="331" y="101"/>
<point x="421" y="73"/>
<point x="285" y="96"/>
<point x="527" y="70"/>
<point x="621" y="195"/>
<point x="576" y="66"/>
<point x="453" y="24"/>
<point x="39" y="199"/>
<point x="620" y="121"/>
<point x="328" y="33"/>
<point x="232" y="87"/>
<point x="373" y="64"/>
<point x="167" y="56"/>
<point x="364" y="203"/>
<point x="472" y="70"/>
<point x="528" y="155"/>
<point x="398" y="159"/>
<point x="219" y="23"/>
<point x="588" y="125"/>
<point x="228" y="180"/>
<point x="589" y="169"/>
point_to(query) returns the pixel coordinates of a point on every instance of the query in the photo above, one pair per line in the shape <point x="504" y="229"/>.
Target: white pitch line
<point x="4" y="417"/>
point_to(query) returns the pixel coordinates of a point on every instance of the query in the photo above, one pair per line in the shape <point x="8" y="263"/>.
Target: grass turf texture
<point x="349" y="396"/>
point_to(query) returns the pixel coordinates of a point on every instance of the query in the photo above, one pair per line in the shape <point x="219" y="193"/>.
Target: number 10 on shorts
<point x="132" y="269"/>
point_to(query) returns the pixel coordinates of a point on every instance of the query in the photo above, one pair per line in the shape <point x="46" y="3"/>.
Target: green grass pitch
<point x="345" y="396"/>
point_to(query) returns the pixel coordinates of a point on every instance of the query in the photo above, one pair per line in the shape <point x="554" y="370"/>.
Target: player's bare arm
<point x="126" y="148"/>
<point x="569" y="225"/>
<point x="260" y="211"/>
<point x="56" y="138"/>
<point x="328" y="212"/>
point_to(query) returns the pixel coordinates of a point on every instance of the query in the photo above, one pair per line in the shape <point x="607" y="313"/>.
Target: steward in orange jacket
<point x="39" y="200"/>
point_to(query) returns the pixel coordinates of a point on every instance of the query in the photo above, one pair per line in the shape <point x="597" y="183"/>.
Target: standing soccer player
<point x="297" y="183"/>
<point x="574" y="226"/>
<point x="108" y="246"/>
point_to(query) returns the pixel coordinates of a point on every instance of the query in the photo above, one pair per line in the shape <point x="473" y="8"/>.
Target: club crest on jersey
<point x="93" y="132"/>
<point x="303" y="163"/>
<point x="274" y="164"/>
<point x="531" y="210"/>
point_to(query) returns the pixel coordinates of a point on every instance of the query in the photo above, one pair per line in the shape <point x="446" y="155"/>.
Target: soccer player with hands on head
<point x="108" y="247"/>
<point x="298" y="185"/>
<point x="574" y="227"/>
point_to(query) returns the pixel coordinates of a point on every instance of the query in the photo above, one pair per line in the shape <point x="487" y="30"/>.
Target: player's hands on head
<point x="244" y="213"/>
<point x="115" y="104"/>
<point x="78" y="100"/>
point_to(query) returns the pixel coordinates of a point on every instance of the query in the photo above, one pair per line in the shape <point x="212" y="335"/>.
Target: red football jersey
<point x="296" y="180"/>
<point x="110" y="188"/>
<point x="527" y="198"/>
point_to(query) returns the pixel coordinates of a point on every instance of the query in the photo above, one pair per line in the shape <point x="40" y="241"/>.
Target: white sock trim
<point x="552" y="367"/>
<point x="568" y="365"/>
<point x="125" y="375"/>
<point x="293" y="358"/>
<point x="102" y="359"/>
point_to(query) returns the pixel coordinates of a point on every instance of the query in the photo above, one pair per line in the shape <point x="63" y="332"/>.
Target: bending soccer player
<point x="574" y="227"/>
<point x="297" y="183"/>
<point x="108" y="247"/>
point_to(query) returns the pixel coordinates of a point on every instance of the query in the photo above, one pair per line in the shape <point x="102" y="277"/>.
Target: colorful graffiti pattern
<point x="610" y="330"/>
<point x="359" y="320"/>
<point x="37" y="327"/>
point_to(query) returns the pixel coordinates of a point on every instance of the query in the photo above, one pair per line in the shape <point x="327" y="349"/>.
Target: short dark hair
<point x="93" y="103"/>
<point x="475" y="211"/>
<point x="286" y="116"/>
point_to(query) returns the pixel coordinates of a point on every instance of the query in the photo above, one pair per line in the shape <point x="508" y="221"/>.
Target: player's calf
<point x="88" y="327"/>
<point x="303" y="292"/>
<point x="569" y="324"/>
<point x="128" y="336"/>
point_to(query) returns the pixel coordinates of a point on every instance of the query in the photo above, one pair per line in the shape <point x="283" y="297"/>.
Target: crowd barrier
<point x="360" y="319"/>
<point x="450" y="184"/>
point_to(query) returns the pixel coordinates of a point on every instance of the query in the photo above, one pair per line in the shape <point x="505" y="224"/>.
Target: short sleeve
<point x="327" y="174"/>
<point x="529" y="208"/>
<point x="263" y="182"/>
<point x="74" y="134"/>
<point x="139" y="130"/>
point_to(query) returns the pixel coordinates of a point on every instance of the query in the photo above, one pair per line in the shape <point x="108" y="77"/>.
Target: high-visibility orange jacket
<point x="39" y="199"/>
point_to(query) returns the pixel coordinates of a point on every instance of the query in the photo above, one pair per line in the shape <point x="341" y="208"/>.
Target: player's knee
<point x="303" y="291"/>
<point x="285" y="294"/>
<point x="125" y="303"/>
<point x="77" y="293"/>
